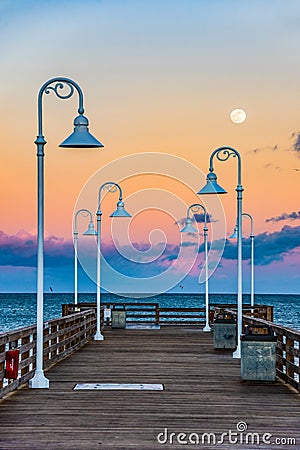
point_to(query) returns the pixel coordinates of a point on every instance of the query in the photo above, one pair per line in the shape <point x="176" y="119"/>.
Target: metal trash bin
<point x="258" y="353"/>
<point x="118" y="316"/>
<point x="224" y="331"/>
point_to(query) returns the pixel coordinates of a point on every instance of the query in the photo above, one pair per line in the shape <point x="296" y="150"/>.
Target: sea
<point x="19" y="310"/>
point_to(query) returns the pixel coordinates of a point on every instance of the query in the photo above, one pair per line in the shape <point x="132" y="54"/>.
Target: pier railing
<point x="67" y="334"/>
<point x="62" y="337"/>
<point x="287" y="350"/>
<point x="153" y="313"/>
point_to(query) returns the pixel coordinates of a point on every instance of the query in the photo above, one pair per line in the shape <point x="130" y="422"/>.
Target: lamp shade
<point x="90" y="231"/>
<point x="234" y="235"/>
<point x="188" y="228"/>
<point x="81" y="137"/>
<point x="120" y="211"/>
<point x="212" y="187"/>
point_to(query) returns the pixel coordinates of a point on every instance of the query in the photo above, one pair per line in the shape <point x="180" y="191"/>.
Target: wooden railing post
<point x="61" y="337"/>
<point x="101" y="318"/>
<point x="2" y="352"/>
<point x="156" y="314"/>
<point x="270" y="313"/>
<point x="68" y="333"/>
<point x="54" y="340"/>
<point x="24" y="355"/>
<point x="279" y="352"/>
<point x="34" y="349"/>
<point x="65" y="309"/>
<point x="289" y="357"/>
<point x="46" y="345"/>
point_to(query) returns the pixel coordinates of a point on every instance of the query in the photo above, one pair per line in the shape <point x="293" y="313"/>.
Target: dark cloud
<point x="199" y="218"/>
<point x="284" y="216"/>
<point x="296" y="143"/>
<point x="269" y="247"/>
<point x="295" y="147"/>
<point x="189" y="244"/>
<point x="21" y="250"/>
<point x="141" y="246"/>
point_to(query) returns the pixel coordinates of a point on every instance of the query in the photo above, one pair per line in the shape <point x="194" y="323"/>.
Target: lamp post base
<point x="237" y="353"/>
<point x="206" y="328"/>
<point x="39" y="381"/>
<point x="98" y="337"/>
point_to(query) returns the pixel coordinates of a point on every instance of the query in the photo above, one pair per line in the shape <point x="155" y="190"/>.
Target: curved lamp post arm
<point x="223" y="154"/>
<point x="195" y="208"/>
<point x="82" y="211"/>
<point x="60" y="83"/>
<point x="251" y="221"/>
<point x="109" y="186"/>
<point x="252" y="257"/>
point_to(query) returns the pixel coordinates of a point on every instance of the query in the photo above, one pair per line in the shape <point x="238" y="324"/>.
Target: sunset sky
<point x="162" y="77"/>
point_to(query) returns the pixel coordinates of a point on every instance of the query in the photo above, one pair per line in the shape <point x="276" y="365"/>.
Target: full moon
<point x="238" y="116"/>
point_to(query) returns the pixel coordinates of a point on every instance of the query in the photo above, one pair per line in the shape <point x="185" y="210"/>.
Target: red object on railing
<point x="11" y="364"/>
<point x="211" y="316"/>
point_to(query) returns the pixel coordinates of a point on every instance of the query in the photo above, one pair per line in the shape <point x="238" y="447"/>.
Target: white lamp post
<point x="89" y="232"/>
<point x="188" y="228"/>
<point x="212" y="187"/>
<point x="120" y="212"/>
<point x="234" y="236"/>
<point x="80" y="138"/>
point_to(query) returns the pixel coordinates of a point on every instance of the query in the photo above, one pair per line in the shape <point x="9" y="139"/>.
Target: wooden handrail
<point x="67" y="334"/>
<point x="62" y="337"/>
<point x="287" y="350"/>
<point x="153" y="313"/>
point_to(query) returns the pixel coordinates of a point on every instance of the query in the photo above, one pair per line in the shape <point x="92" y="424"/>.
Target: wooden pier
<point x="203" y="393"/>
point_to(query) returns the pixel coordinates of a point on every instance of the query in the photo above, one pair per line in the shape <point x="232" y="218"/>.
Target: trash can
<point x="118" y="316"/>
<point x="224" y="331"/>
<point x="258" y="353"/>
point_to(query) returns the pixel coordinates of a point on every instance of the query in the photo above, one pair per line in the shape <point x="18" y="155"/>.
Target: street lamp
<point x="109" y="186"/>
<point x="234" y="236"/>
<point x="89" y="232"/>
<point x="212" y="187"/>
<point x="80" y="138"/>
<point x="188" y="228"/>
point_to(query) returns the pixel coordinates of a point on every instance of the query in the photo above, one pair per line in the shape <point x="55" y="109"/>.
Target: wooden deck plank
<point x="203" y="393"/>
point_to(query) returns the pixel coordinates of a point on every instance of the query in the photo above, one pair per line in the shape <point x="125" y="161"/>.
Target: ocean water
<point x="19" y="310"/>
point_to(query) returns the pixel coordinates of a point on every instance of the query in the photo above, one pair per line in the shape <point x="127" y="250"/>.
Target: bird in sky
<point x="297" y="170"/>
